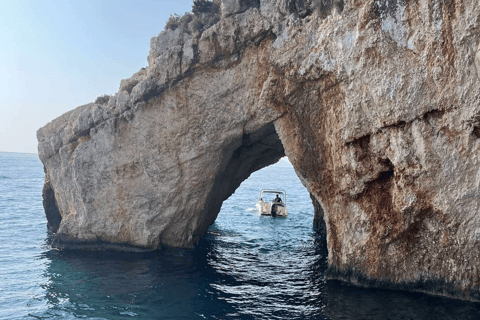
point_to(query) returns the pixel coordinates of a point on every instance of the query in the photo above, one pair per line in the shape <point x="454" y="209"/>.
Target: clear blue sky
<point x="57" y="55"/>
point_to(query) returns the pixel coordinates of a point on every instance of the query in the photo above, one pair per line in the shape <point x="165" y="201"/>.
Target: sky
<point x="57" y="55"/>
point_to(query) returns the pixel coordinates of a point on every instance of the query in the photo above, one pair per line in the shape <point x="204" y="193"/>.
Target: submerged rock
<point x="375" y="103"/>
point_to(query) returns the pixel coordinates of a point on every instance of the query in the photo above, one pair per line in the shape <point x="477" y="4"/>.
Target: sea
<point x="246" y="267"/>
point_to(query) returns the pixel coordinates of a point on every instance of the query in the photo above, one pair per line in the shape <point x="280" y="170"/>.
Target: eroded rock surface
<point x="375" y="103"/>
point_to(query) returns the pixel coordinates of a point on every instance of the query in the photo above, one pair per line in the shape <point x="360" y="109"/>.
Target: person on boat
<point x="277" y="199"/>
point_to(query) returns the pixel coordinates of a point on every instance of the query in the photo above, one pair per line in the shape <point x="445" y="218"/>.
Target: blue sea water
<point x="246" y="267"/>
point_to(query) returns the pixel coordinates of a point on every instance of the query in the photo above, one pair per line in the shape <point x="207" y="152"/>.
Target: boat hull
<point x="265" y="209"/>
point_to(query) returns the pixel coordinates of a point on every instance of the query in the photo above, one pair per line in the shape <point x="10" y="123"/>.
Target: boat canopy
<point x="282" y="192"/>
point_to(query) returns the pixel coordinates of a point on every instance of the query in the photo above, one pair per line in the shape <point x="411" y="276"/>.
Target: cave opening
<point x="267" y="240"/>
<point x="263" y="260"/>
<point x="249" y="153"/>
<point x="278" y="176"/>
<point x="263" y="256"/>
<point x="258" y="162"/>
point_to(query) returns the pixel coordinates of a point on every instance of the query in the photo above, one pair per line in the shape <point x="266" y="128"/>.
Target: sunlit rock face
<point x="375" y="103"/>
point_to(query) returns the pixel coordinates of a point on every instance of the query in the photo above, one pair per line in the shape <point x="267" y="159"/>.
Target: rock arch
<point x="156" y="173"/>
<point x="375" y="106"/>
<point x="257" y="150"/>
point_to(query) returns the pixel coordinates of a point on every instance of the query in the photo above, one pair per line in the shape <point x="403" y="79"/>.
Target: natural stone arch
<point x="376" y="107"/>
<point x="157" y="173"/>
<point x="257" y="150"/>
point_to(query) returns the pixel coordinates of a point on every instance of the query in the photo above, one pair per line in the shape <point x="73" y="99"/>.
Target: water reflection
<point x="168" y="284"/>
<point x="247" y="267"/>
<point x="223" y="279"/>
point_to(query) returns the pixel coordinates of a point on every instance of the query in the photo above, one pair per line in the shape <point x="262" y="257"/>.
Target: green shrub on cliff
<point x="205" y="6"/>
<point x="204" y="14"/>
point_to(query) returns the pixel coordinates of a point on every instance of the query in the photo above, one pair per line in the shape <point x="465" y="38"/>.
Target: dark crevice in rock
<point x="264" y="35"/>
<point x="319" y="217"/>
<point x="435" y="114"/>
<point x="431" y="114"/>
<point x="381" y="181"/>
<point x="363" y="144"/>
<point x="364" y="141"/>
<point x="476" y="131"/>
<point x="386" y="175"/>
<point x="400" y="124"/>
<point x="473" y="125"/>
<point x="51" y="209"/>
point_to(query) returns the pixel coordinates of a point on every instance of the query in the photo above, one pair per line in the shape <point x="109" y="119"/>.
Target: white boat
<point x="269" y="205"/>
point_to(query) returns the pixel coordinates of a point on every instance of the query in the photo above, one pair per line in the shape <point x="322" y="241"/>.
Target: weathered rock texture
<point x="375" y="103"/>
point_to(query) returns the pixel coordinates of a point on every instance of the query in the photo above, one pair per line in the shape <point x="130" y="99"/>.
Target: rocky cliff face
<point x="375" y="103"/>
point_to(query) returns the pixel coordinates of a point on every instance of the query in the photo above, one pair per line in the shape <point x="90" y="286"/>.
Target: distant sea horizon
<point x="19" y="152"/>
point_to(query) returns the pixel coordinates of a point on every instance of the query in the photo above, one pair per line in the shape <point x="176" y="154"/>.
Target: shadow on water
<point x="168" y="284"/>
<point x="223" y="280"/>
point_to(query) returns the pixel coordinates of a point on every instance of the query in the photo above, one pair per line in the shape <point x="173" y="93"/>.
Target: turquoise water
<point x="247" y="267"/>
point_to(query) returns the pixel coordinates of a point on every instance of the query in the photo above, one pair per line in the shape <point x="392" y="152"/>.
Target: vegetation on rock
<point x="204" y="14"/>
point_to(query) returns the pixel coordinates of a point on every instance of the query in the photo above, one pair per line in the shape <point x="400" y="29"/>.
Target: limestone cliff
<point x="375" y="103"/>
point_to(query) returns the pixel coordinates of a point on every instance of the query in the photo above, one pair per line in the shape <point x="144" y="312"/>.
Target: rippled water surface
<point x="247" y="267"/>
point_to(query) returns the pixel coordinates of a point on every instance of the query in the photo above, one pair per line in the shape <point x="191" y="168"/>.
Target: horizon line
<point x="20" y="152"/>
